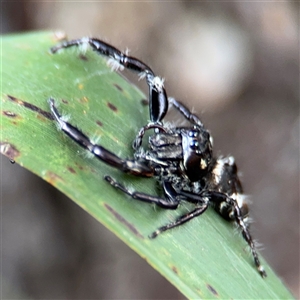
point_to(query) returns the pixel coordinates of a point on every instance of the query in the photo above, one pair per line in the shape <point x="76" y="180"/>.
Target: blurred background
<point x="237" y="65"/>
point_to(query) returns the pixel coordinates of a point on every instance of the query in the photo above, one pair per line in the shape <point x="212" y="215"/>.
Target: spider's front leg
<point x="133" y="167"/>
<point x="158" y="102"/>
<point x="185" y="112"/>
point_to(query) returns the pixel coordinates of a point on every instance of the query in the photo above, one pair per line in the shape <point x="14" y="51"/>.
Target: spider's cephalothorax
<point x="180" y="158"/>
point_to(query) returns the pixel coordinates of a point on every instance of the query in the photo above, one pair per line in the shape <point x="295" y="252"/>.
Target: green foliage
<point x="203" y="258"/>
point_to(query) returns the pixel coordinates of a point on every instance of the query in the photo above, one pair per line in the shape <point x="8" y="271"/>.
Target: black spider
<point x="180" y="158"/>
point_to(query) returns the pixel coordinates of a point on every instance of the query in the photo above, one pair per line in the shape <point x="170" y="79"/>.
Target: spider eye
<point x="193" y="133"/>
<point x="194" y="145"/>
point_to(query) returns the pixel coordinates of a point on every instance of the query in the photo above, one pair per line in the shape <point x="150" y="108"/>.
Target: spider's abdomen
<point x="225" y="180"/>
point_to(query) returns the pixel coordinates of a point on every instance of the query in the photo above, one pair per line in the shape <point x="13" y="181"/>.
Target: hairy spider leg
<point x="200" y="200"/>
<point x="204" y="199"/>
<point x="169" y="203"/>
<point x="158" y="102"/>
<point x="179" y="221"/>
<point x="185" y="112"/>
<point x="217" y="197"/>
<point x="133" y="167"/>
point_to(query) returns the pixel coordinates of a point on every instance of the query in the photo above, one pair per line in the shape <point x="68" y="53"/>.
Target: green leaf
<point x="203" y="258"/>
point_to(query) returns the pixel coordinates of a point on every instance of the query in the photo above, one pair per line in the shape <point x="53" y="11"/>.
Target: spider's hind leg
<point x="221" y="201"/>
<point x="248" y="238"/>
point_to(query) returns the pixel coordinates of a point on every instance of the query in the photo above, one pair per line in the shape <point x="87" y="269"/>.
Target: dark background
<point x="237" y="65"/>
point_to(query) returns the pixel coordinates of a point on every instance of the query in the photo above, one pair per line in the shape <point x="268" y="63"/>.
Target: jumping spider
<point x="179" y="158"/>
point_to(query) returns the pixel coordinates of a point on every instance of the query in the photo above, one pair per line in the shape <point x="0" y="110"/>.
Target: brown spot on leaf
<point x="174" y="269"/>
<point x="65" y="101"/>
<point x="79" y="166"/>
<point x="212" y="289"/>
<point x="123" y="221"/>
<point x="9" y="150"/>
<point x="32" y="107"/>
<point x="94" y="171"/>
<point x="83" y="57"/>
<point x="118" y="87"/>
<point x="112" y="107"/>
<point x="99" y="123"/>
<point x="71" y="170"/>
<point x="145" y="102"/>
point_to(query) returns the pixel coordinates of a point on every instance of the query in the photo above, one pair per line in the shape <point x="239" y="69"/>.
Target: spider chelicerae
<point x="179" y="158"/>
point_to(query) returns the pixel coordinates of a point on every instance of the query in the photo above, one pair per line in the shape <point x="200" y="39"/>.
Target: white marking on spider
<point x="218" y="170"/>
<point x="114" y="64"/>
<point x="158" y="83"/>
<point x="203" y="164"/>
<point x="126" y="52"/>
<point x="84" y="45"/>
<point x="142" y="75"/>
